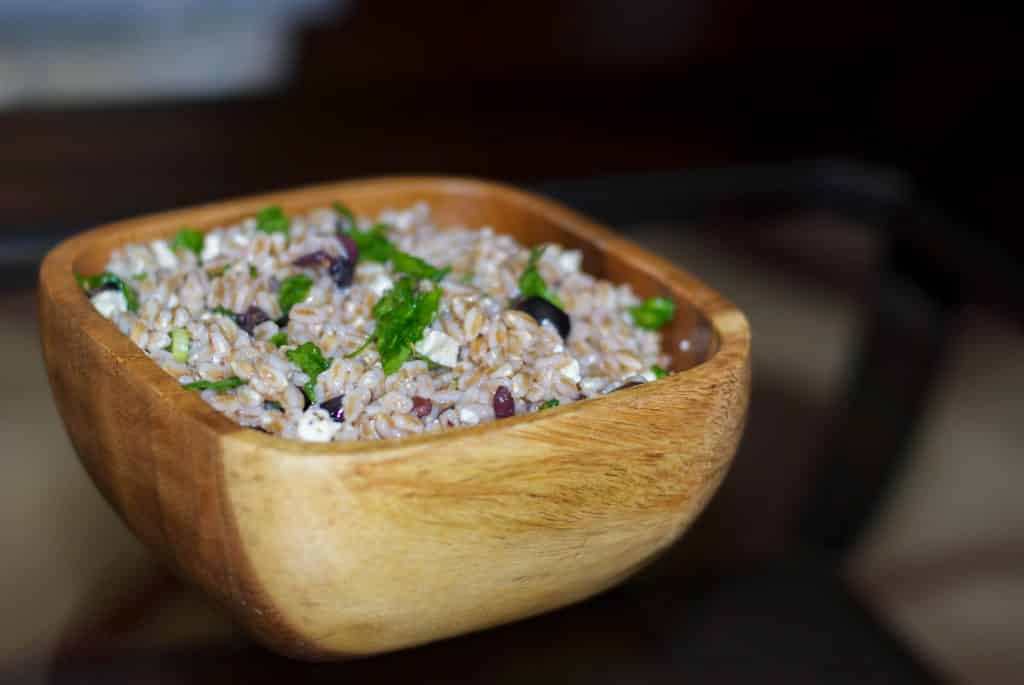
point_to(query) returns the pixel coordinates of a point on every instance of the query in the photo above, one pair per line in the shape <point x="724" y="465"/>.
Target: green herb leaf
<point x="270" y="404"/>
<point x="90" y="283"/>
<point x="311" y="362"/>
<point x="362" y="347"/>
<point x="405" y="263"/>
<point x="219" y="386"/>
<point x="550" y="404"/>
<point x="348" y="219"/>
<point x="181" y="341"/>
<point x="253" y="272"/>
<point x="402" y="315"/>
<point x="190" y="239"/>
<point x="373" y="243"/>
<point x="272" y="220"/>
<point x="141" y="276"/>
<point x="224" y="311"/>
<point x="280" y="338"/>
<point x="294" y="290"/>
<point x="653" y="313"/>
<point x="658" y="371"/>
<point x="431" y="364"/>
<point x="531" y="283"/>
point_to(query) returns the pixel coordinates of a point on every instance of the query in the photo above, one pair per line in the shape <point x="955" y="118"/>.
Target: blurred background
<point x="842" y="171"/>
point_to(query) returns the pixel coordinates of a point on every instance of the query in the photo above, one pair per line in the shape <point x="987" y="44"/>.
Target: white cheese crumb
<point x="649" y="376"/>
<point x="316" y="425"/>
<point x="109" y="301"/>
<point x="572" y="371"/>
<point x="468" y="417"/>
<point x="381" y="284"/>
<point x="570" y="260"/>
<point x="211" y="247"/>
<point x="439" y="348"/>
<point x="165" y="259"/>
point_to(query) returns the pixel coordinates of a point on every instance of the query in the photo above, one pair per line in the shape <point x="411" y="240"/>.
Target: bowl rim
<point x="56" y="279"/>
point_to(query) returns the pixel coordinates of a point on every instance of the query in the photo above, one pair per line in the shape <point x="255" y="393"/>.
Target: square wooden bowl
<point x="331" y="550"/>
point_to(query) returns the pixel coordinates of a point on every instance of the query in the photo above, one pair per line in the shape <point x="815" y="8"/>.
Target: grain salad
<point x="328" y="327"/>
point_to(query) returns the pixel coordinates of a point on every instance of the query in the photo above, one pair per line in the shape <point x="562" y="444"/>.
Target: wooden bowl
<point x="324" y="551"/>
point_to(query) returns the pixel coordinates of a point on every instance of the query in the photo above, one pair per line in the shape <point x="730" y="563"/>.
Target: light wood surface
<point x="326" y="551"/>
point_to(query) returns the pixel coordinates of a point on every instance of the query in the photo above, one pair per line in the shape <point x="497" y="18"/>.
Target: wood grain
<point x="325" y="551"/>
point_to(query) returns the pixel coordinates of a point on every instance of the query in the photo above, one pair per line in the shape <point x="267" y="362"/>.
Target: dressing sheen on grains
<point x="390" y="325"/>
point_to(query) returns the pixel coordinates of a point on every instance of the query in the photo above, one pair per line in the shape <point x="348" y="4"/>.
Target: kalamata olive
<point x="542" y="310"/>
<point x="334" y="407"/>
<point x="342" y="272"/>
<point x="421" y="406"/>
<point x="251" y="318"/>
<point x="342" y="269"/>
<point x="504" y="403"/>
<point x="351" y="249"/>
<point x="282" y="321"/>
<point x="318" y="258"/>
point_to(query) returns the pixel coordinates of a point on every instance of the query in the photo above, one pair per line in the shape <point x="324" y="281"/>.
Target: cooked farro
<point x="474" y="345"/>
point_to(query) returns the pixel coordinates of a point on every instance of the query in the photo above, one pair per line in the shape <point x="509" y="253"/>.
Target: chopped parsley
<point x="653" y="313"/>
<point x="190" y="239"/>
<point x="181" y="341"/>
<point x="107" y="280"/>
<point x="224" y="311"/>
<point x="405" y="263"/>
<point x="311" y="362"/>
<point x="280" y="338"/>
<point x="348" y="219"/>
<point x="550" y="404"/>
<point x="294" y="290"/>
<point x="658" y="372"/>
<point x="373" y="243"/>
<point x="272" y="220"/>
<point x="141" y="276"/>
<point x="253" y="272"/>
<point x="219" y="386"/>
<point x="531" y="283"/>
<point x="402" y="315"/>
<point x="359" y="349"/>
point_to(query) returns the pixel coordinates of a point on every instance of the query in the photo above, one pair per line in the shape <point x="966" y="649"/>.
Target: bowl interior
<point x="689" y="340"/>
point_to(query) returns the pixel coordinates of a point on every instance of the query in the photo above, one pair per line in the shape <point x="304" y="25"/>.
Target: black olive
<point x="351" y="249"/>
<point x="318" y="258"/>
<point x="251" y="318"/>
<point x="283" y="321"/>
<point x="342" y="272"/>
<point x="334" y="407"/>
<point x="542" y="310"/>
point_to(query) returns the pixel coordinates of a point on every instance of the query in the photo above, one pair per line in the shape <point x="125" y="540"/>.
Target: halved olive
<point x="542" y="310"/>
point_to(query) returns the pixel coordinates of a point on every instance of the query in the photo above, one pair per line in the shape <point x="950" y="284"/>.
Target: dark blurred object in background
<point x="534" y="89"/>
